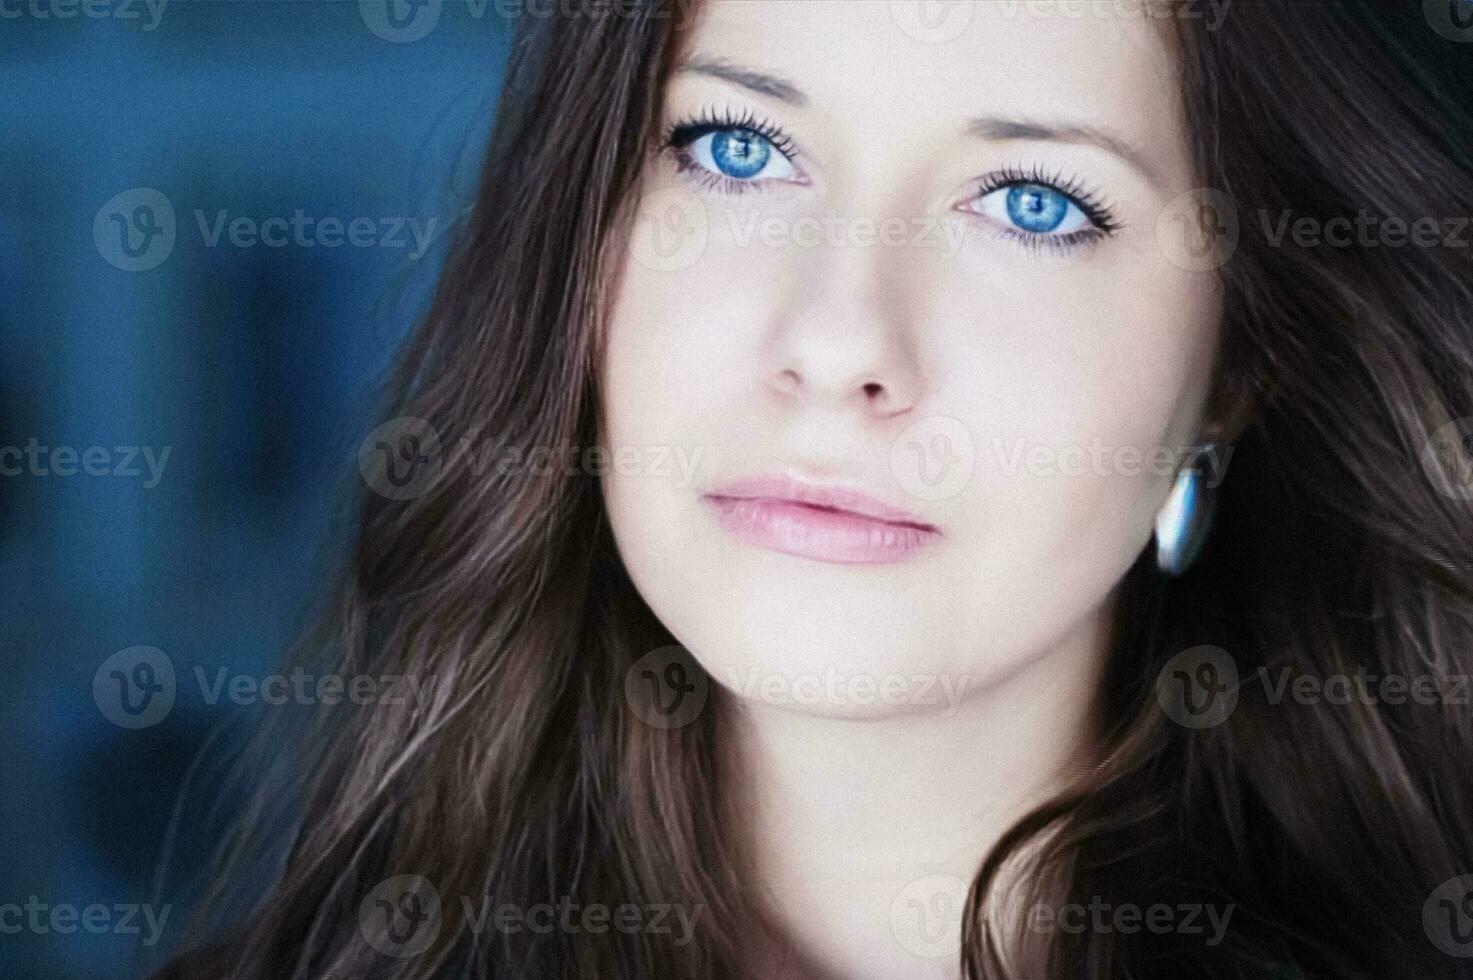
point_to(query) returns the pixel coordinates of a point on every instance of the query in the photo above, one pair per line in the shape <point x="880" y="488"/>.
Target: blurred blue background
<point x="254" y="366"/>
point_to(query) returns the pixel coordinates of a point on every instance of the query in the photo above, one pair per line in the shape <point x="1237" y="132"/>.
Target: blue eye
<point x="1035" y="208"/>
<point x="740" y="154"/>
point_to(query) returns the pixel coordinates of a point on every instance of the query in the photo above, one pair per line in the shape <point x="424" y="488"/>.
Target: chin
<point x="812" y="658"/>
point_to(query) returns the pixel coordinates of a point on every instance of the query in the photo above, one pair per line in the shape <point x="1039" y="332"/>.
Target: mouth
<point x="823" y="523"/>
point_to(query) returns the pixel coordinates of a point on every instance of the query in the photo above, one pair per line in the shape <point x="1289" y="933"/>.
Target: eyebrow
<point x="748" y="78"/>
<point x="1001" y="128"/>
<point x="984" y="127"/>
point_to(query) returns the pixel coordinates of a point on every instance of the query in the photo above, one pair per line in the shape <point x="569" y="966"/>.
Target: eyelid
<point x="684" y="132"/>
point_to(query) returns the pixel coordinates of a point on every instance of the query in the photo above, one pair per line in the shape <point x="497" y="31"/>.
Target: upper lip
<point x="826" y="496"/>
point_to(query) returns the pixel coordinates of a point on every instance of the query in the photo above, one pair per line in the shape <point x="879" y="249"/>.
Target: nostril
<point x="874" y="389"/>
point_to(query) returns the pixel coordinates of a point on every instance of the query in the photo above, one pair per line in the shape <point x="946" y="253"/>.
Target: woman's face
<point x="911" y="297"/>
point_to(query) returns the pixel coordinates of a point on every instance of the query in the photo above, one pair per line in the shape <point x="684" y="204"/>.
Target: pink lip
<point x="824" y="523"/>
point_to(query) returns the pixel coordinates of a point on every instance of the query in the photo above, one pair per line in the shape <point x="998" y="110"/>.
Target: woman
<point x="895" y="490"/>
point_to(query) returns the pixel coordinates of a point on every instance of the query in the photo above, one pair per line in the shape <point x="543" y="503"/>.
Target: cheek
<point x="673" y="378"/>
<point x="1080" y="387"/>
<point x="681" y="365"/>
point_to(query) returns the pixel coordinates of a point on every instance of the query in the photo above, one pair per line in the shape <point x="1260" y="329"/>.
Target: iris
<point x="740" y="153"/>
<point x="1036" y="208"/>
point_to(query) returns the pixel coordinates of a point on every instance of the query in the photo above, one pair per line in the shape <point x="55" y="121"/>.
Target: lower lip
<point x="837" y="536"/>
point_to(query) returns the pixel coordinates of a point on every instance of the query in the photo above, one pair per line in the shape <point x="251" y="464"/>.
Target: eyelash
<point x="1096" y="209"/>
<point x="680" y="135"/>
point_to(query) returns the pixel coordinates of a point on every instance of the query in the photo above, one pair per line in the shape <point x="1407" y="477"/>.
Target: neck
<point x="867" y="832"/>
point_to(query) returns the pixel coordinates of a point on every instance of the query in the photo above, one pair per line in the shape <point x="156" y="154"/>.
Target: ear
<point x="1234" y="403"/>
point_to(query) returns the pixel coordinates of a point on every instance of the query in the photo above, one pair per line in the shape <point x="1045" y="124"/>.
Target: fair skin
<point x="898" y="707"/>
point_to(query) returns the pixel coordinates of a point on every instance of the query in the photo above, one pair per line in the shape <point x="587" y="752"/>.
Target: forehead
<point x="913" y="64"/>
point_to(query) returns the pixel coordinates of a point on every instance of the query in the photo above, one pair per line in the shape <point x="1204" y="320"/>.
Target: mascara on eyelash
<point x="711" y="120"/>
<point x="1094" y="208"/>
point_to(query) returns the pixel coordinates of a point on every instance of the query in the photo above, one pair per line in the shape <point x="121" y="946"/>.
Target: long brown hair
<point x="518" y="772"/>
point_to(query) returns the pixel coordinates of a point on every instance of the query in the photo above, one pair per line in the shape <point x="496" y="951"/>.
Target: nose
<point x="840" y="338"/>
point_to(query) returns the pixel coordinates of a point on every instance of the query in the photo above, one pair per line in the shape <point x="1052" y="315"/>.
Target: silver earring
<point x="1184" y="520"/>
